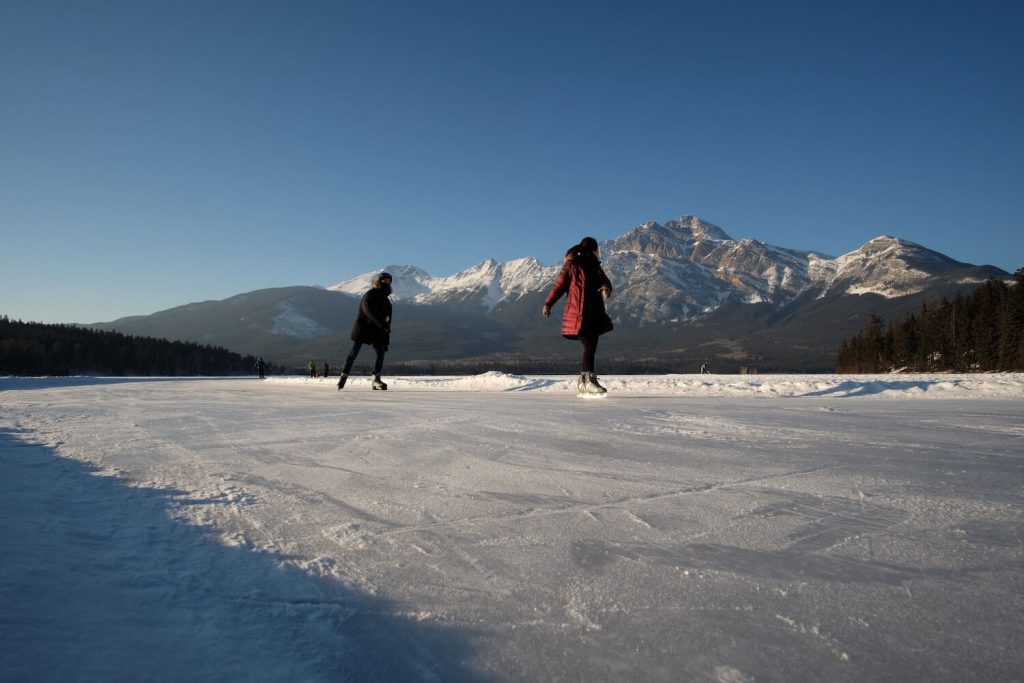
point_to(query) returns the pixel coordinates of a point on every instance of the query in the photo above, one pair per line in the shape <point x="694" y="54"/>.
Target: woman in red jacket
<point x="584" y="316"/>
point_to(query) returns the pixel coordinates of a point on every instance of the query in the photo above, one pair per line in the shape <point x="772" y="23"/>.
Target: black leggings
<point x="589" y="351"/>
<point x="378" y="364"/>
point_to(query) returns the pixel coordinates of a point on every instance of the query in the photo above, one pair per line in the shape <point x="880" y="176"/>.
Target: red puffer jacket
<point x="583" y="279"/>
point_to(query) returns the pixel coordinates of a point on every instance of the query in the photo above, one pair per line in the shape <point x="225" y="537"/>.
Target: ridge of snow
<point x="893" y="385"/>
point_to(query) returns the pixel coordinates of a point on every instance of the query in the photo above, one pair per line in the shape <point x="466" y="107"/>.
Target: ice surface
<point x="497" y="528"/>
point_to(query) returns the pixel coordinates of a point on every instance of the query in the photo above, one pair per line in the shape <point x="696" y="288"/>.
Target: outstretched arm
<point x="560" y="288"/>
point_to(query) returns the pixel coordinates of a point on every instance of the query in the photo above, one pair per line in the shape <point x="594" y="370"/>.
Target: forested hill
<point x="28" y="348"/>
<point x="982" y="332"/>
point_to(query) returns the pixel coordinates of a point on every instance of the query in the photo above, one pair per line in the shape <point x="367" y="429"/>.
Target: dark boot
<point x="342" y="380"/>
<point x="378" y="385"/>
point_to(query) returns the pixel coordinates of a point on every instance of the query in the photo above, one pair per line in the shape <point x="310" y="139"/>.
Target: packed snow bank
<point x="1004" y="385"/>
<point x="991" y="385"/>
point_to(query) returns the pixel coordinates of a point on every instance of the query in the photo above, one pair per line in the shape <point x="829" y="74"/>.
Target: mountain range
<point x="684" y="291"/>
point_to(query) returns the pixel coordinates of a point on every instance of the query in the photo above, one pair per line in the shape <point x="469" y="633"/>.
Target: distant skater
<point x="704" y="369"/>
<point x="584" y="316"/>
<point x="312" y="369"/>
<point x="261" y="367"/>
<point x="327" y="369"/>
<point x="373" y="327"/>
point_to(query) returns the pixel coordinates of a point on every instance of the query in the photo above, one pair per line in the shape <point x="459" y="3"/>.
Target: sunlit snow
<point x="497" y="528"/>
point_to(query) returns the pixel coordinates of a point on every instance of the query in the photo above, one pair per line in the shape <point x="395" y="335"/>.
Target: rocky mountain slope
<point x="683" y="290"/>
<point x="689" y="268"/>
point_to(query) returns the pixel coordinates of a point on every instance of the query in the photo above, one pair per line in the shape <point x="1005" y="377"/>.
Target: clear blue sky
<point x="155" y="153"/>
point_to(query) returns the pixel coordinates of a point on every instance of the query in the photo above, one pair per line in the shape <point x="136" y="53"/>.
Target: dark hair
<point x="587" y="246"/>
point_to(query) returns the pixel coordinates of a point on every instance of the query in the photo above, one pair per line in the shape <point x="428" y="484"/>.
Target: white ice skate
<point x="588" y="387"/>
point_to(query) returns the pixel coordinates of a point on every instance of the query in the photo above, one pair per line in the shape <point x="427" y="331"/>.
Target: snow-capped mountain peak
<point x="678" y="239"/>
<point x="491" y="281"/>
<point x="524" y="275"/>
<point x="698" y="229"/>
<point x="683" y="269"/>
<point x="408" y="282"/>
<point x="886" y="265"/>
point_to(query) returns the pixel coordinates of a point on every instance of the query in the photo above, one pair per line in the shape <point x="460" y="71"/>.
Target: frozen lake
<point x="497" y="528"/>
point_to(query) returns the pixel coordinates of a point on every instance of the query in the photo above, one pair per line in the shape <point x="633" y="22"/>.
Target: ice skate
<point x="588" y="387"/>
<point x="342" y="380"/>
<point x="378" y="385"/>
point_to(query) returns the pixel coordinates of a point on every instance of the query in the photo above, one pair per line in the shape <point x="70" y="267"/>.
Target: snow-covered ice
<point x="497" y="528"/>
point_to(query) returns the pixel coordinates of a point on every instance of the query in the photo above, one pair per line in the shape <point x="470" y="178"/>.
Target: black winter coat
<point x="373" y="323"/>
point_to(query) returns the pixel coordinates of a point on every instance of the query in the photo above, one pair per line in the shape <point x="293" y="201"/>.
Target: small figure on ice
<point x="373" y="327"/>
<point x="584" y="316"/>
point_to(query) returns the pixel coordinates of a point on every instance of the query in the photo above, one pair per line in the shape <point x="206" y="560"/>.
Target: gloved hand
<point x="606" y="293"/>
<point x="546" y="311"/>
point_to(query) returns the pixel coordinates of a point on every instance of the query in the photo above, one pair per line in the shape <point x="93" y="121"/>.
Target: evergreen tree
<point x="39" y="349"/>
<point x="983" y="331"/>
<point x="1015" y="337"/>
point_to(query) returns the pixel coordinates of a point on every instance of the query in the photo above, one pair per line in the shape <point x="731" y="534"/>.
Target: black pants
<point x="589" y="351"/>
<point x="378" y="364"/>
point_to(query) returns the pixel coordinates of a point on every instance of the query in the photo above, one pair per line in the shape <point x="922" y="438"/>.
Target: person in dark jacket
<point x="373" y="327"/>
<point x="586" y="287"/>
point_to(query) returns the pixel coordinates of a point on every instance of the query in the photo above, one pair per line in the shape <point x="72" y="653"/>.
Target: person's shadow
<point x="98" y="582"/>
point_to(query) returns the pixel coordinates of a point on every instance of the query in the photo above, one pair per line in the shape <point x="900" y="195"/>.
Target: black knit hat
<point x="385" y="276"/>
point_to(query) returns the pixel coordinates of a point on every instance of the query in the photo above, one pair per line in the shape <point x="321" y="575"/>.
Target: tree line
<point x="979" y="332"/>
<point x="29" y="348"/>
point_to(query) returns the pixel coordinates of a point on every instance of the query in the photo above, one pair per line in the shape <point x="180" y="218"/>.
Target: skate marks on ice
<point x="989" y="533"/>
<point x="846" y="588"/>
<point x="715" y="428"/>
<point x="100" y="581"/>
<point x="826" y="523"/>
<point x="823" y="526"/>
<point x="656" y="539"/>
